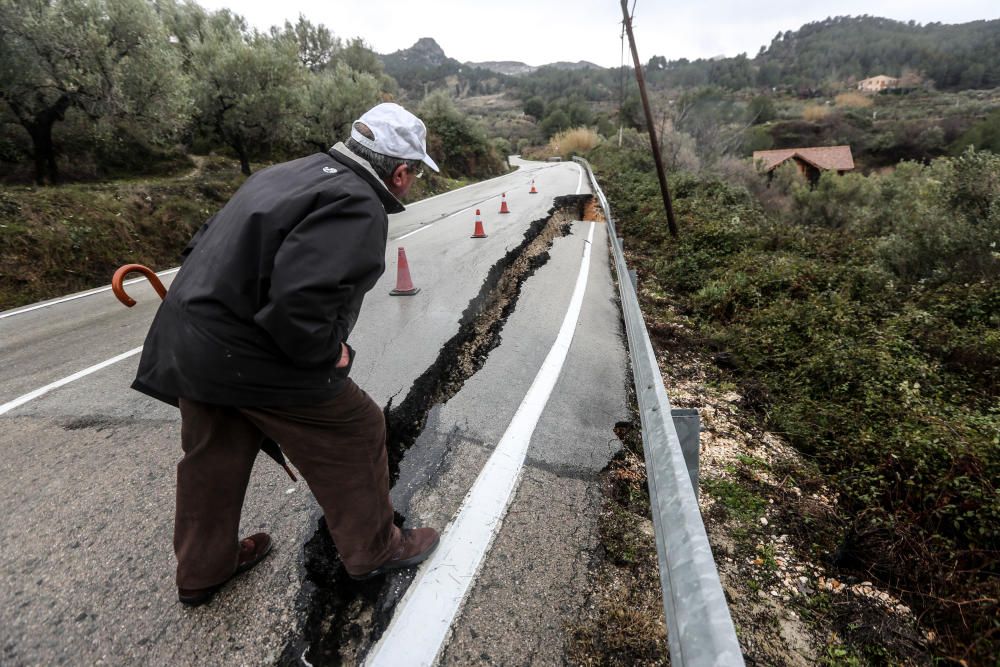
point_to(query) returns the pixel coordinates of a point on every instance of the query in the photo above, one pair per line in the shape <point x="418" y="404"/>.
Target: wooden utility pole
<point x="649" y="123"/>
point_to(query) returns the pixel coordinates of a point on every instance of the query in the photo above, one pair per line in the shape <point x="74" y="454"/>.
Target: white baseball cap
<point x="398" y="133"/>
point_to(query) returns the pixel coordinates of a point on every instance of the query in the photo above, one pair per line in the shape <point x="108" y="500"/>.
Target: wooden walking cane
<point x="118" y="287"/>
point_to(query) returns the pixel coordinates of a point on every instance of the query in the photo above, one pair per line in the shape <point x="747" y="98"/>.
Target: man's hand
<point x="345" y="357"/>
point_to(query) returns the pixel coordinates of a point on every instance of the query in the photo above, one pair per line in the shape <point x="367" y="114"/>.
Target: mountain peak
<point x="428" y="45"/>
<point x="425" y="52"/>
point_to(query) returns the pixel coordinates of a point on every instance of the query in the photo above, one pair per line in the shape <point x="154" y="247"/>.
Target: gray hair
<point x="384" y="165"/>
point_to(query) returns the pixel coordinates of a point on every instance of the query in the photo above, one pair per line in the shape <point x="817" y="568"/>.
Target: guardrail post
<point x="688" y="425"/>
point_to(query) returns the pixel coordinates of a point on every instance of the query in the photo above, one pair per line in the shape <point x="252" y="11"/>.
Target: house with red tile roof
<point x="810" y="161"/>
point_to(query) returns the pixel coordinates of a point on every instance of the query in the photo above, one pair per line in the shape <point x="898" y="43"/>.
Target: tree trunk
<point x="45" y="153"/>
<point x="244" y="158"/>
<point x="40" y="129"/>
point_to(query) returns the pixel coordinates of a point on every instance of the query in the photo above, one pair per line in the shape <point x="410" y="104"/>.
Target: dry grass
<point x="535" y="152"/>
<point x="575" y="141"/>
<point x="815" y="112"/>
<point x="854" y="101"/>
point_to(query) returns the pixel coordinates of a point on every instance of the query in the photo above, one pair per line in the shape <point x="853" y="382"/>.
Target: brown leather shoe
<point x="415" y="546"/>
<point x="253" y="549"/>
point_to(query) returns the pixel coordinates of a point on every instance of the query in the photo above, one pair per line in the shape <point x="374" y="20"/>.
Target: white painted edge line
<point x="17" y="402"/>
<point x="424" y="616"/>
<point x="464" y="187"/>
<point x="431" y="224"/>
<point x="579" y="183"/>
<point x="79" y="295"/>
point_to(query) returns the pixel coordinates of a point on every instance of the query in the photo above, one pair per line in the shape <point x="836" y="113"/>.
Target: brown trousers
<point x="339" y="447"/>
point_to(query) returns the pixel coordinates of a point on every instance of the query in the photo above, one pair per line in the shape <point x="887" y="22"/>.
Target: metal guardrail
<point x="700" y="630"/>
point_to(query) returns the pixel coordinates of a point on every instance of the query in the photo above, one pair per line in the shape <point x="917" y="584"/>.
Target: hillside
<point x="845" y="49"/>
<point x="834" y="52"/>
<point x="425" y="66"/>
<point x="953" y="57"/>
<point x="517" y="68"/>
<point x="507" y="67"/>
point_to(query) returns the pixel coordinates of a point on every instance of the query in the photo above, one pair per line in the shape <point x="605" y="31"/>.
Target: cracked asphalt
<point x="534" y="580"/>
<point x="86" y="481"/>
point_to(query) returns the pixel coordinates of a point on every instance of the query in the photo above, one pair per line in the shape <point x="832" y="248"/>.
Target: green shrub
<point x="984" y="135"/>
<point x="459" y="146"/>
<point x="862" y="317"/>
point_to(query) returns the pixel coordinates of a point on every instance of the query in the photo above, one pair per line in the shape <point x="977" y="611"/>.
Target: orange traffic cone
<point x="480" y="233"/>
<point x="503" y="203"/>
<point x="404" y="286"/>
<point x="533" y="191"/>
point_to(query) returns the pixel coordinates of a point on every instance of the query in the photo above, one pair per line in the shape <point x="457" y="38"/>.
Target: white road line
<point x="80" y="295"/>
<point x="579" y="182"/>
<point x="424" y="616"/>
<point x="17" y="402"/>
<point x="431" y="224"/>
<point x="464" y="187"/>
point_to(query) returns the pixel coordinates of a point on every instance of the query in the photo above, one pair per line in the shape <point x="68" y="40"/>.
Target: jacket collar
<point x="362" y="168"/>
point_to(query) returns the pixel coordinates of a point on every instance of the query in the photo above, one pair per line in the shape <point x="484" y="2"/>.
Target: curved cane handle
<point x="119" y="277"/>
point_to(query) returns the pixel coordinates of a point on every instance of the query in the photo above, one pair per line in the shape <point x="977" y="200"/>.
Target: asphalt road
<point x="86" y="480"/>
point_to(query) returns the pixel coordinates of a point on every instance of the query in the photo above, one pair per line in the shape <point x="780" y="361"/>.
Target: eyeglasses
<point x="417" y="172"/>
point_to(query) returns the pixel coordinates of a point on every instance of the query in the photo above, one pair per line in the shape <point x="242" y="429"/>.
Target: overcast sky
<point x="543" y="31"/>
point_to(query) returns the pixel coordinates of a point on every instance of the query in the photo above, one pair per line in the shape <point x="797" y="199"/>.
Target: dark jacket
<point x="271" y="286"/>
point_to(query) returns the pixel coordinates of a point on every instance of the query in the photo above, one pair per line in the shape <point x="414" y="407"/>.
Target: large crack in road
<point x="343" y="617"/>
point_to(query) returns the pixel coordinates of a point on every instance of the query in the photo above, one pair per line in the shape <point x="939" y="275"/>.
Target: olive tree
<point x="184" y="21"/>
<point x="247" y="87"/>
<point x="108" y="59"/>
<point x="335" y="92"/>
<point x="333" y="99"/>
<point x="360" y="57"/>
<point x="316" y="45"/>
